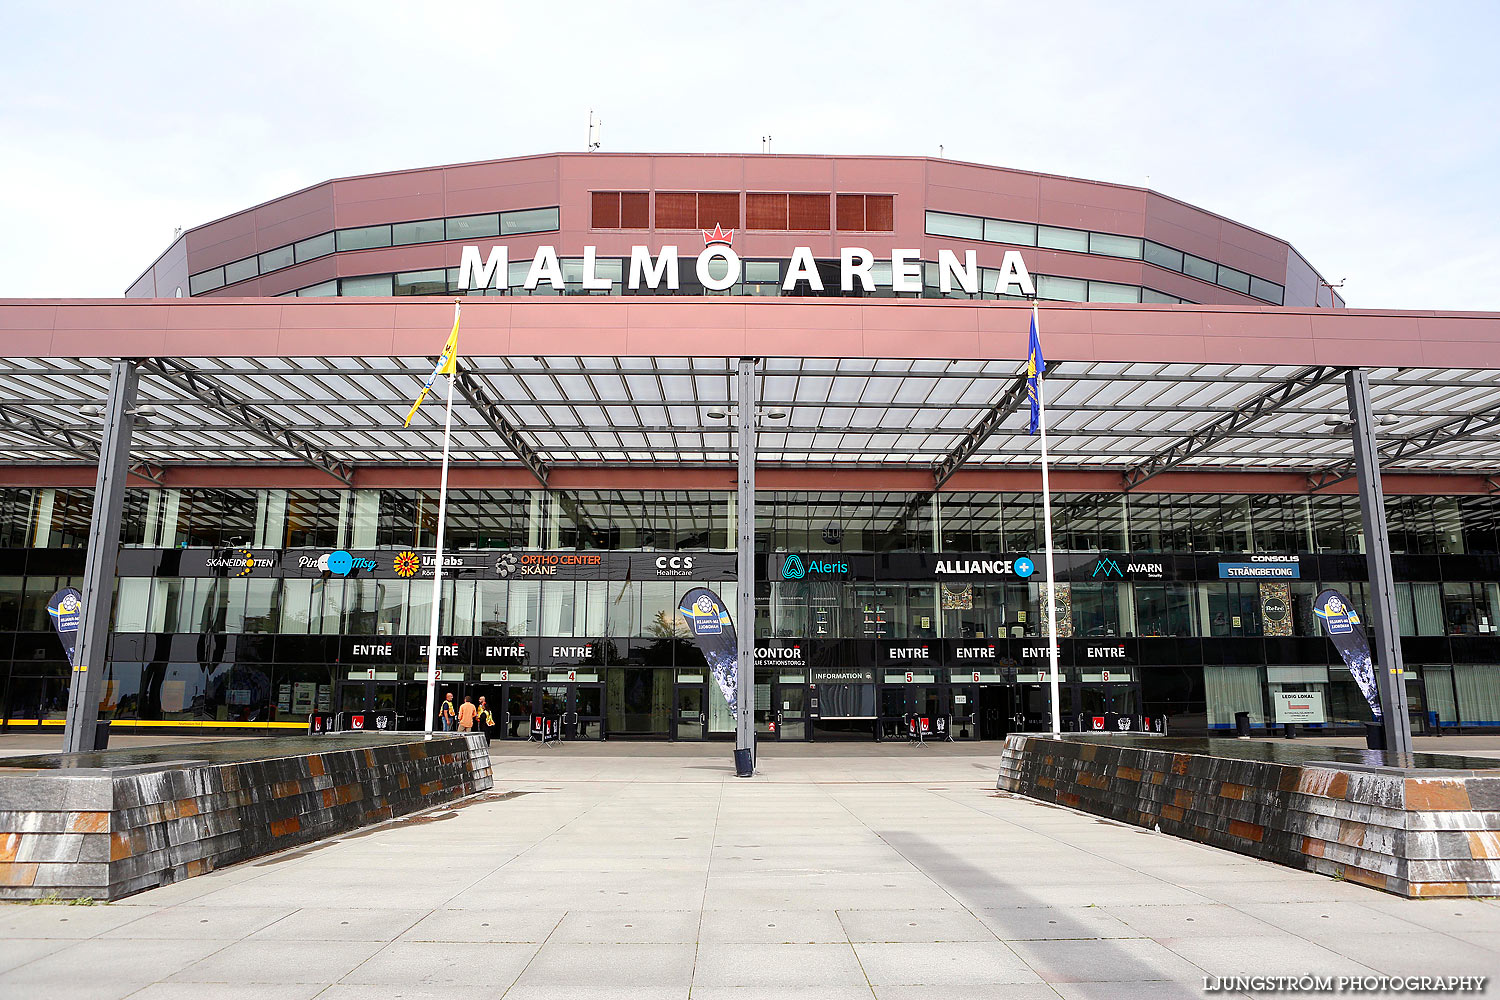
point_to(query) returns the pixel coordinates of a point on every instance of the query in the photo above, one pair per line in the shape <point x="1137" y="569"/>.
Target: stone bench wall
<point x="1393" y="829"/>
<point x="107" y="833"/>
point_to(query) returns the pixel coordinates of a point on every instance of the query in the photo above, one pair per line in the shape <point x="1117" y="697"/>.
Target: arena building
<point x="279" y="519"/>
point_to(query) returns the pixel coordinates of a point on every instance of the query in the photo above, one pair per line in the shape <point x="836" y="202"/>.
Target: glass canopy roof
<point x="657" y="410"/>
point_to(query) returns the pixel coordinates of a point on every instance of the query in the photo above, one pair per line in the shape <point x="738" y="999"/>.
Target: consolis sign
<point x="664" y="269"/>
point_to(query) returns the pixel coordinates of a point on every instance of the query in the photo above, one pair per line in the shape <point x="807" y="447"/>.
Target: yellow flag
<point x="447" y="364"/>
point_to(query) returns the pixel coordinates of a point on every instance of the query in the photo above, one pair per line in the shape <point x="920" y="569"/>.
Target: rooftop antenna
<point x="1330" y="286"/>
<point x="593" y="146"/>
<point x="765" y="144"/>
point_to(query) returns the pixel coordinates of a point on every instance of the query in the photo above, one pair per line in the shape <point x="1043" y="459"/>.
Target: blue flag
<point x="1035" y="367"/>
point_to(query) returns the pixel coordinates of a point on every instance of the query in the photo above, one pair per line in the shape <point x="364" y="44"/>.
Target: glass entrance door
<point x="518" y="702"/>
<point x="995" y="714"/>
<point x="587" y="707"/>
<point x="638" y="701"/>
<point x="34" y="701"/>
<point x="691" y="722"/>
<point x="1034" y="711"/>
<point x="791" y="714"/>
<point x="965" y="702"/>
<point x="892" y="708"/>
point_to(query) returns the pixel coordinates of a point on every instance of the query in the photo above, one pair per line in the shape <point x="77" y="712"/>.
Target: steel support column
<point x="1390" y="677"/>
<point x="747" y="416"/>
<point x="99" y="569"/>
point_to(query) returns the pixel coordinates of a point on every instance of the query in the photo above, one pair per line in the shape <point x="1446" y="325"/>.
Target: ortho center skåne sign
<point x="664" y="269"/>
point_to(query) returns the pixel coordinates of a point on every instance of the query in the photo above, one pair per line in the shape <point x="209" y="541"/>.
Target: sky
<point x="1366" y="134"/>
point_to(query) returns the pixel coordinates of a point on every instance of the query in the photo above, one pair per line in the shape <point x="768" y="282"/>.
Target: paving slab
<point x="624" y="873"/>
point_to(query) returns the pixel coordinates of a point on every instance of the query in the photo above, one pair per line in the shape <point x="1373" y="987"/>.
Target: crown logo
<point x="718" y="235"/>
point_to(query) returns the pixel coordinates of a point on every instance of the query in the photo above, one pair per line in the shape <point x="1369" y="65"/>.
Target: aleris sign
<point x="664" y="269"/>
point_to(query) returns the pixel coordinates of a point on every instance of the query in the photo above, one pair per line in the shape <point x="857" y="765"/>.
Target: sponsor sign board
<point x="1298" y="706"/>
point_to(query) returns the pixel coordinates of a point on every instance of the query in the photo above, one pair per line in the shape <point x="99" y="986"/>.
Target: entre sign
<point x="664" y="269"/>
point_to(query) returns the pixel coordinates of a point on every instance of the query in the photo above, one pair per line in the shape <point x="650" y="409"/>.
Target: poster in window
<point x="173" y="696"/>
<point x="284" y="698"/>
<point x="958" y="597"/>
<point x="303" y="695"/>
<point x="1276" y="608"/>
<point x="1064" y="602"/>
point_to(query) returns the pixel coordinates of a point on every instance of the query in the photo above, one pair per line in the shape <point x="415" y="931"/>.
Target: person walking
<point x="483" y="718"/>
<point x="447" y="714"/>
<point x="466" y="715"/>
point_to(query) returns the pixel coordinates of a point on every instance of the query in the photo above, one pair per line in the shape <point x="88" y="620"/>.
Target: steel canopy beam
<point x="207" y="390"/>
<point x="1454" y="430"/>
<point x="1011" y="399"/>
<point x="477" y="394"/>
<point x="65" y="437"/>
<point x="1232" y="424"/>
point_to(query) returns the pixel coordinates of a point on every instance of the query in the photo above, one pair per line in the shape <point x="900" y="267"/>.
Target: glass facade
<point x="226" y="611"/>
<point x="968" y="227"/>
<point x="531" y="220"/>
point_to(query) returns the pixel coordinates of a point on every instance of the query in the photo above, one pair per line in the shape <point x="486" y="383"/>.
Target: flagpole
<point x="1041" y="424"/>
<point x="437" y="565"/>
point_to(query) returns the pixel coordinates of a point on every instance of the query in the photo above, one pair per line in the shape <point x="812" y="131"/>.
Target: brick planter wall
<point x="109" y="832"/>
<point x="1414" y="832"/>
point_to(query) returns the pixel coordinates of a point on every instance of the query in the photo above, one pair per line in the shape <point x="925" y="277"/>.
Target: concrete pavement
<point x="604" y="871"/>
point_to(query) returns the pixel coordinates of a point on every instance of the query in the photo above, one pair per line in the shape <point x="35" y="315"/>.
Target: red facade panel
<point x="765" y="211"/>
<point x="880" y="213"/>
<point x="851" y="213"/>
<point x="635" y="210"/>
<point x="676" y="209"/>
<point x="719" y="208"/>
<point x="605" y="212"/>
<point x="808" y="212"/>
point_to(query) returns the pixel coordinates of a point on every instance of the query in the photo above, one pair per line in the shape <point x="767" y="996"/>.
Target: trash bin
<point x="1289" y="731"/>
<point x="101" y="734"/>
<point x="1242" y="725"/>
<point x="1375" y="735"/>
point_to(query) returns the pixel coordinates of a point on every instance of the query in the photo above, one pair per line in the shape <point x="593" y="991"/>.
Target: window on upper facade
<point x="621" y="210"/>
<point x="866" y="213"/>
<point x="697" y="209"/>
